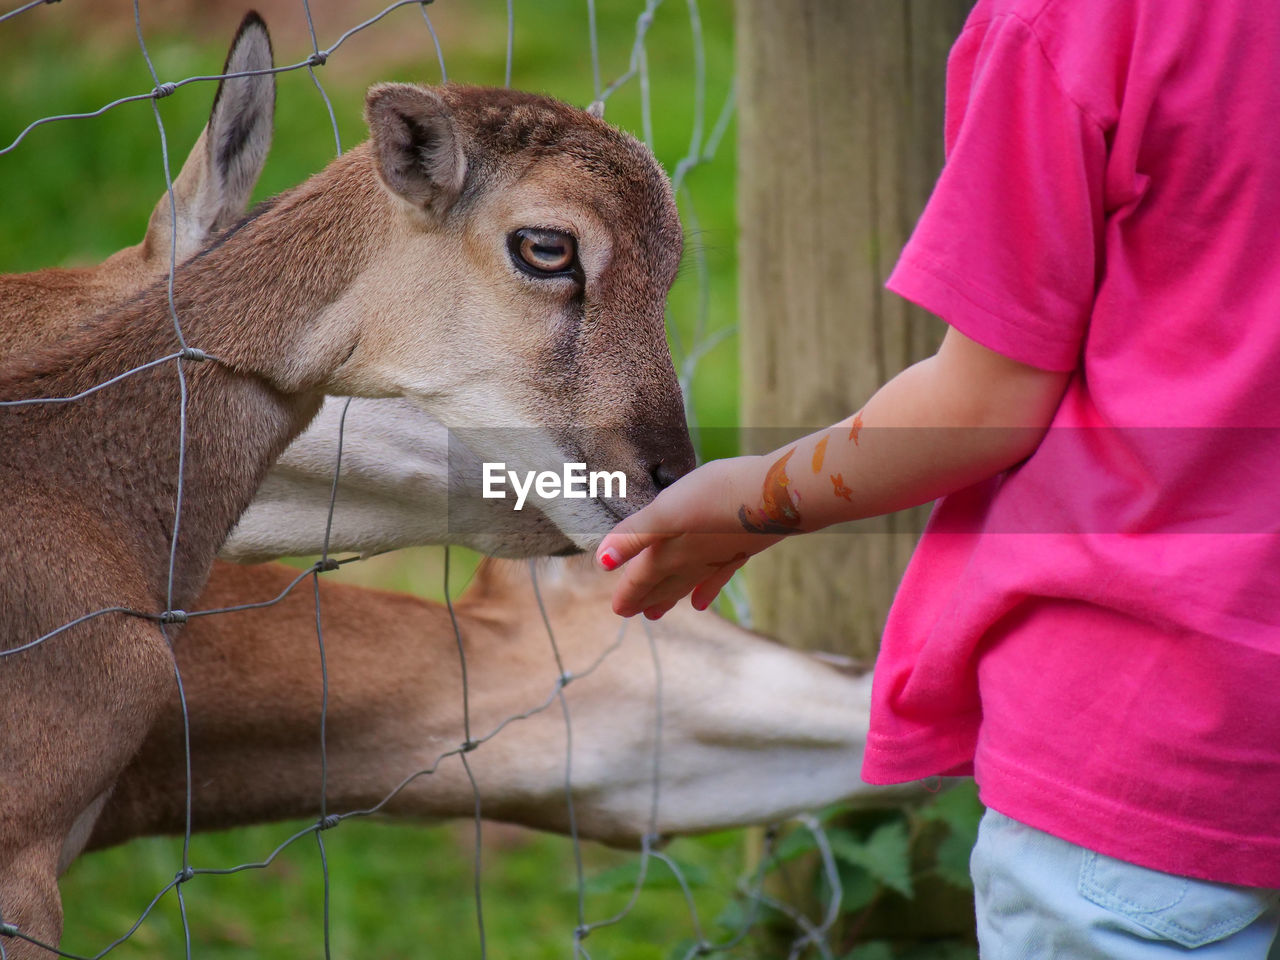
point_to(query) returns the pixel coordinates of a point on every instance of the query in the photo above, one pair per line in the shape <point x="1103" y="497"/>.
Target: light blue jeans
<point x="1038" y="896"/>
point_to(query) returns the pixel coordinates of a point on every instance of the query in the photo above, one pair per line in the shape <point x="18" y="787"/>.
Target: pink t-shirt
<point x="1095" y="634"/>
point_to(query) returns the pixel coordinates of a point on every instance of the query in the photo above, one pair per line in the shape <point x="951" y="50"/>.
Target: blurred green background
<point x="75" y="191"/>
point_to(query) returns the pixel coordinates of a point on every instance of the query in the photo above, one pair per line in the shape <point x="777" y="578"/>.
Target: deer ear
<point x="416" y="145"/>
<point x="213" y="187"/>
<point x="241" y="121"/>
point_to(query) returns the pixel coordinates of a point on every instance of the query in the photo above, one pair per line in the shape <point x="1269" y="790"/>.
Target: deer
<point x="406" y="480"/>
<point x="721" y="765"/>
<point x="498" y="257"/>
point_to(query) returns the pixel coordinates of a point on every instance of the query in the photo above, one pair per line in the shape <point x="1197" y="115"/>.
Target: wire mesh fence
<point x="709" y="126"/>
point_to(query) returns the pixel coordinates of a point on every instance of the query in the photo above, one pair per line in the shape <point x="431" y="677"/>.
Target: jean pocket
<point x="1186" y="911"/>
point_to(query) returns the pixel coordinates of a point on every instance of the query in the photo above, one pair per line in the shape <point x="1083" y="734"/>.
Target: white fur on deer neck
<point x="404" y="482"/>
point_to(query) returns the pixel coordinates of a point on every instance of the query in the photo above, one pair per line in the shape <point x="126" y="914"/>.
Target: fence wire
<point x="702" y="148"/>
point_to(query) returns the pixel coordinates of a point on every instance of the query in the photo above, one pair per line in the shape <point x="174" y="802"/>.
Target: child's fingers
<point x="710" y="588"/>
<point x="656" y="611"/>
<point x="666" y="595"/>
<point x="635" y="591"/>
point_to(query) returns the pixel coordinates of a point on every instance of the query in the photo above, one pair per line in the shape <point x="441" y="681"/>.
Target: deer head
<point x="543" y="242"/>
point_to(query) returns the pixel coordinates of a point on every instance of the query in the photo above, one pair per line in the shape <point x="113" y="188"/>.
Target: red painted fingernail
<point x="609" y="560"/>
<point x="700" y="606"/>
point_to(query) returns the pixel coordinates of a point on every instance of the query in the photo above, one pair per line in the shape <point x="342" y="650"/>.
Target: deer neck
<point x="261" y="298"/>
<point x="42" y="308"/>
<point x="257" y="300"/>
<point x="777" y="732"/>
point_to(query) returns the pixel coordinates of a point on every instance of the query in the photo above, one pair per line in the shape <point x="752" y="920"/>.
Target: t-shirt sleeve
<point x="1007" y="249"/>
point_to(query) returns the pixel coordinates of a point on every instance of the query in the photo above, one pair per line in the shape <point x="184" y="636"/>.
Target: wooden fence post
<point x="840" y="141"/>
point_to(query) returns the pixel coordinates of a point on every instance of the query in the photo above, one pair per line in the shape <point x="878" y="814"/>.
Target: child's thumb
<point x="624" y="542"/>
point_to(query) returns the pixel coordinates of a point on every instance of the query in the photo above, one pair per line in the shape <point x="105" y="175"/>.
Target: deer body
<point x="751" y="730"/>
<point x="75" y="707"/>
<point x="310" y="296"/>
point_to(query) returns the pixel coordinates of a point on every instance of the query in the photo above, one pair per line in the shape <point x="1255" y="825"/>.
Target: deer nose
<point x="668" y="470"/>
<point x="663" y="475"/>
<point x="663" y="445"/>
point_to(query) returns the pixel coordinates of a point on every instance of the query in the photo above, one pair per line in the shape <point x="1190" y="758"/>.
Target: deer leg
<point x="73" y="711"/>
<point x="29" y="900"/>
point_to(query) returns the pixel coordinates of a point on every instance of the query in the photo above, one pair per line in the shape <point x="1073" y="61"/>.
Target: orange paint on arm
<point x="837" y="481"/>
<point x="819" y="452"/>
<point x="855" y="428"/>
<point x="778" y="513"/>
<point x="775" y="494"/>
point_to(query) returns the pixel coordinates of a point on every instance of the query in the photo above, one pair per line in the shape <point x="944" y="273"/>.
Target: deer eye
<point x="544" y="253"/>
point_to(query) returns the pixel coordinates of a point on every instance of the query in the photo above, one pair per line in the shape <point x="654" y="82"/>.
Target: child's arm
<point x="700" y="530"/>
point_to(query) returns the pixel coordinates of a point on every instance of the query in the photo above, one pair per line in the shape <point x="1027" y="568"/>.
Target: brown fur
<point x="393" y="703"/>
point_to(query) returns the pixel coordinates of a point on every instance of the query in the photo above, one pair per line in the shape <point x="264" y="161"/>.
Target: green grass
<point x="397" y="891"/>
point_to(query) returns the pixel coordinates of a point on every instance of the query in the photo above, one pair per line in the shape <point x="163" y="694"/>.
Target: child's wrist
<point x="748" y="480"/>
<point x="761" y="498"/>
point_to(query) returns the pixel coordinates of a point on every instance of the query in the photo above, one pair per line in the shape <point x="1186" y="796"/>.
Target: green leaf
<point x="858" y="887"/>
<point x="953" y="860"/>
<point x="733" y="917"/>
<point x="960" y="810"/>
<point x="958" y="807"/>
<point x="886" y="854"/>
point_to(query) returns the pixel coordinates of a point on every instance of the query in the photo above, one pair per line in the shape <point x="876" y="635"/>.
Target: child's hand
<point x="702" y="528"/>
<point x="690" y="538"/>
